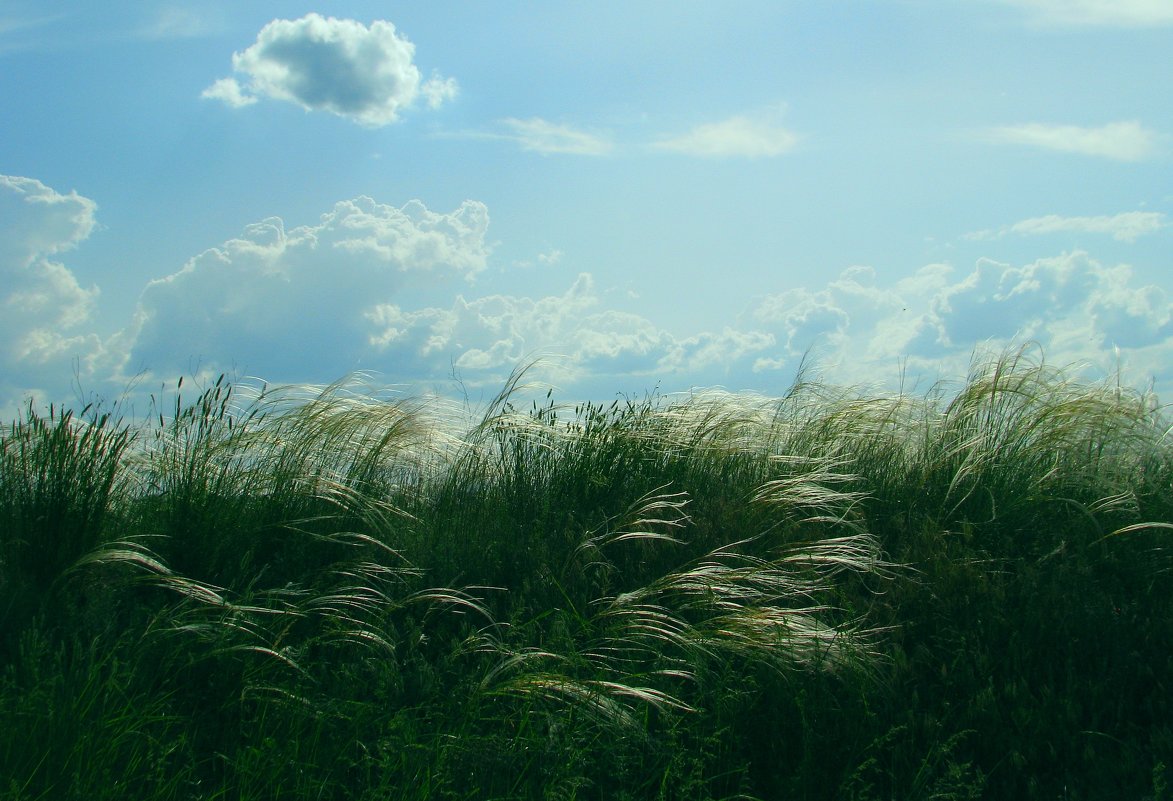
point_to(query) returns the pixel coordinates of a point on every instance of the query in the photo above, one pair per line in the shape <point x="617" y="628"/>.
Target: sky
<point x="636" y="195"/>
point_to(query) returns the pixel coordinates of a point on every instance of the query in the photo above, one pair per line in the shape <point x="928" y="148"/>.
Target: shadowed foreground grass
<point x="829" y="595"/>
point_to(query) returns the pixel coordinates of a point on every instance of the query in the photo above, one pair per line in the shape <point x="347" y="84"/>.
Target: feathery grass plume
<point x="647" y="645"/>
<point x="317" y="472"/>
<point x="1022" y="436"/>
<point x="733" y="604"/>
<point x="357" y="438"/>
<point x="274" y="523"/>
<point x="843" y="438"/>
<point x="278" y="478"/>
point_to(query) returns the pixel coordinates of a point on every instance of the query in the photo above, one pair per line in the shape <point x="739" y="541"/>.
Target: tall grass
<point x="338" y="593"/>
<point x="61" y="476"/>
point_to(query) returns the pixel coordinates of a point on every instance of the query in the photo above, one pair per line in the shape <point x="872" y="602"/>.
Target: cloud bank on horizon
<point x="305" y="303"/>
<point x="421" y="293"/>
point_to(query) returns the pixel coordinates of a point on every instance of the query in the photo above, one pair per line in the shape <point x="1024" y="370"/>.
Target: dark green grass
<point x="335" y="594"/>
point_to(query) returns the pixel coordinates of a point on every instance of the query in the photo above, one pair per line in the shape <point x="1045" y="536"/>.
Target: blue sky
<point x="641" y="193"/>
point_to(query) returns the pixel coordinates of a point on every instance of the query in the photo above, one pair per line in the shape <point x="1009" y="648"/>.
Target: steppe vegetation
<point x="834" y="594"/>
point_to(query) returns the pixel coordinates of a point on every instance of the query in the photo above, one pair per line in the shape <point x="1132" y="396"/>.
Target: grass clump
<point x="336" y="593"/>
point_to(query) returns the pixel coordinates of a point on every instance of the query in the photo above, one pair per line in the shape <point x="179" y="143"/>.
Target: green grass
<point x="338" y="594"/>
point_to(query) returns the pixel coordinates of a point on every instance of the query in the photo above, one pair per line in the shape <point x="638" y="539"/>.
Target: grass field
<point x="830" y="595"/>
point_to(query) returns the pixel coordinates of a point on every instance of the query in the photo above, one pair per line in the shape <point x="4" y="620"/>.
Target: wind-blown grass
<point x="337" y="593"/>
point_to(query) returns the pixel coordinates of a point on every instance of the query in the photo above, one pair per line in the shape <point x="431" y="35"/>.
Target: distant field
<point x="827" y="595"/>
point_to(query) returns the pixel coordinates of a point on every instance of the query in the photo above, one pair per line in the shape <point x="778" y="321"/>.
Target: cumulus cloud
<point x="587" y="344"/>
<point x="852" y="315"/>
<point x="361" y="289"/>
<point x="545" y="137"/>
<point x="1120" y="141"/>
<point x="1110" y="13"/>
<point x="1126" y="227"/>
<point x="699" y="354"/>
<point x="291" y="301"/>
<point x="363" y="73"/>
<point x="931" y="321"/>
<point x="758" y="136"/>
<point x="42" y="305"/>
<point x="354" y="290"/>
<point x="228" y="91"/>
<point x="1133" y="318"/>
<point x="486" y="337"/>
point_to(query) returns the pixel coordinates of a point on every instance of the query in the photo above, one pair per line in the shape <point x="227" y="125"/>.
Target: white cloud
<point x="319" y="301"/>
<point x="587" y="345"/>
<point x="42" y="305"/>
<point x="1126" y="227"/>
<point x="1121" y="141"/>
<point x="437" y="91"/>
<point x="1133" y="318"/>
<point x="545" y="137"/>
<point x="697" y="355"/>
<point x="228" y="91"/>
<point x="931" y="321"/>
<point x="741" y="136"/>
<point x="1000" y="301"/>
<point x="41" y="221"/>
<point x="1111" y="13"/>
<point x="365" y="74"/>
<point x="487" y="337"/>
<point x="358" y="289"/>
<point x="292" y="303"/>
<point x="315" y="302"/>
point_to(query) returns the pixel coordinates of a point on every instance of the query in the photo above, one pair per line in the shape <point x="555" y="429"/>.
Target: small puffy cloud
<point x="545" y="137"/>
<point x="1108" y="13"/>
<point x="42" y="305"/>
<point x="437" y="91"/>
<point x="742" y="136"/>
<point x="1120" y="141"/>
<point x="228" y="91"/>
<point x="363" y="73"/>
<point x="291" y="302"/>
<point x="1126" y="227"/>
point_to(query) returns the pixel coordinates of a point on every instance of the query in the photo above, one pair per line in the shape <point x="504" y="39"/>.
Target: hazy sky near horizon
<point x="641" y="193"/>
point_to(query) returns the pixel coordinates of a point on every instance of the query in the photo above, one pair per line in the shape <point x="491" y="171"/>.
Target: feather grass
<point x="340" y="591"/>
